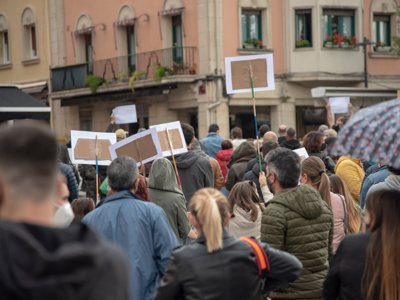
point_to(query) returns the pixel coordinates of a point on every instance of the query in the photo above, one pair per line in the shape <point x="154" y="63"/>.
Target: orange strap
<point x="261" y="257"/>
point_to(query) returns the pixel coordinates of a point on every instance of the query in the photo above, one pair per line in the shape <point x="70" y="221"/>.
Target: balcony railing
<point x="180" y="60"/>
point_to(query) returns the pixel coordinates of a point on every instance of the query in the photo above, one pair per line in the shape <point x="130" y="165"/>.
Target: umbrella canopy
<point x="16" y="104"/>
<point x="372" y="133"/>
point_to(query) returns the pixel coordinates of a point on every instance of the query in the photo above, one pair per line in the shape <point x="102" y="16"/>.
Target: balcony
<point x="176" y="60"/>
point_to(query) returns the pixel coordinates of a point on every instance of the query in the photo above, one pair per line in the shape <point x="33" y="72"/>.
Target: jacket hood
<point x="291" y="144"/>
<point x="201" y="153"/>
<point x="357" y="161"/>
<point x="243" y="218"/>
<point x="303" y="199"/>
<point x="186" y="160"/>
<point x="393" y="181"/>
<point x="163" y="177"/>
<point x="224" y="155"/>
<point x="245" y="152"/>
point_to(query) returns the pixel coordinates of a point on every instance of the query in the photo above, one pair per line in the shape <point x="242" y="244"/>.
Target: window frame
<point x="340" y="13"/>
<point x="303" y="11"/>
<point x="5" y="42"/>
<point x="248" y="13"/>
<point x="377" y="24"/>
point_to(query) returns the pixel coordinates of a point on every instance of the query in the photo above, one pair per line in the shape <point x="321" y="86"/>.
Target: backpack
<point x="259" y="252"/>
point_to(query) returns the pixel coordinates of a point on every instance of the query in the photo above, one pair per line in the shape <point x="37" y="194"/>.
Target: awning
<point x="171" y="12"/>
<point x="33" y="87"/>
<point x="16" y="105"/>
<point x="326" y="92"/>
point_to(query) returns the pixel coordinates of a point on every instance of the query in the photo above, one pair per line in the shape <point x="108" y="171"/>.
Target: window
<point x="303" y="28"/>
<point x="251" y="25"/>
<point x="381" y="29"/>
<point x="338" y="21"/>
<point x="130" y="39"/>
<point x="29" y="35"/>
<point x="4" y="44"/>
<point x="177" y="38"/>
<point x="88" y="52"/>
<point x="32" y="41"/>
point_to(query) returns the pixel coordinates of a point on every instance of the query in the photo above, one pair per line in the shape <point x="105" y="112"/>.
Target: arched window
<point x="4" y="41"/>
<point x="29" y="36"/>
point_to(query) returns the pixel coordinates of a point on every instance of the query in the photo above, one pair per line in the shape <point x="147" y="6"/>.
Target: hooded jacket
<point x="391" y="182"/>
<point x="350" y="170"/>
<point x="254" y="174"/>
<point x="218" y="178"/>
<point x="195" y="173"/>
<point x="241" y="224"/>
<point x="223" y="157"/>
<point x="165" y="192"/>
<point x="291" y="144"/>
<point x="40" y="262"/>
<point x="298" y="221"/>
<point x="238" y="163"/>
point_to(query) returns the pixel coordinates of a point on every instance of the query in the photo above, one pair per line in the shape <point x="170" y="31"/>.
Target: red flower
<point x="376" y="44"/>
<point x="301" y="38"/>
<point x="327" y="37"/>
<point x="340" y="40"/>
<point x="355" y="39"/>
<point x="335" y="34"/>
<point x="260" y="43"/>
<point x="351" y="42"/>
<point x="335" y="41"/>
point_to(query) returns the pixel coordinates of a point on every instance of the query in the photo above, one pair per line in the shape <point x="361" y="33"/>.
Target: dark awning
<point x="16" y="104"/>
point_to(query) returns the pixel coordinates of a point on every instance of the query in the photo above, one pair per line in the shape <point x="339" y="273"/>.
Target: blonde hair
<point x="210" y="208"/>
<point x="330" y="133"/>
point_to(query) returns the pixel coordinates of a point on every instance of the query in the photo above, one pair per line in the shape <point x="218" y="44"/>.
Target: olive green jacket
<point x="298" y="221"/>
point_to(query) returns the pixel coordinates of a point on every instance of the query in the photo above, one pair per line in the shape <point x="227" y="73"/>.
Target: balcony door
<point x="88" y="53"/>
<point x="177" y="39"/>
<point x="131" y="49"/>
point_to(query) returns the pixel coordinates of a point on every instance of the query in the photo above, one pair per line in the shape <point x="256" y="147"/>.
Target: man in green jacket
<point x="297" y="221"/>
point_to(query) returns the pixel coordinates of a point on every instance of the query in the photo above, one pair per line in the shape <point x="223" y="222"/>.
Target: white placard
<point x="339" y="105"/>
<point x="125" y="114"/>
<point x="76" y="134"/>
<point x="169" y="126"/>
<point x="302" y="152"/>
<point x="270" y="73"/>
<point x="145" y="159"/>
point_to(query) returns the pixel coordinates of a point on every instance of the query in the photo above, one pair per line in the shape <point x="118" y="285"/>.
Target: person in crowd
<point x="195" y="172"/>
<point x="253" y="171"/>
<point x="212" y="141"/>
<point x="165" y="192"/>
<point x="282" y="133"/>
<point x="223" y="157"/>
<point x="392" y="181"/>
<point x="218" y="177"/>
<point x="291" y="141"/>
<point x="72" y="184"/>
<point x="330" y="133"/>
<point x="238" y="163"/>
<point x="313" y="174"/>
<point x="355" y="214"/>
<point x="245" y="210"/>
<point x="236" y="137"/>
<point x="366" y="266"/>
<point x="81" y="207"/>
<point x="39" y="261"/>
<point x="350" y="170"/>
<point x="234" y="272"/>
<point x="313" y="142"/>
<point x="65" y="159"/>
<point x="378" y="176"/>
<point x="147" y="241"/>
<point x="340" y="121"/>
<point x="63" y="213"/>
<point x="270" y="136"/>
<point x="298" y="221"/>
<point x="121" y="134"/>
<point x="261" y="131"/>
<point x="322" y="128"/>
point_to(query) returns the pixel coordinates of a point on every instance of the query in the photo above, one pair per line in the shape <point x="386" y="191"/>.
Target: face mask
<point x="323" y="146"/>
<point x="64" y="215"/>
<point x="270" y="187"/>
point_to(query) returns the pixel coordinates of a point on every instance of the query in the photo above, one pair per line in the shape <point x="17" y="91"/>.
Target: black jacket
<point x="291" y="144"/>
<point x="230" y="273"/>
<point x="328" y="162"/>
<point x="49" y="263"/>
<point x="347" y="267"/>
<point x="195" y="173"/>
<point x="254" y="174"/>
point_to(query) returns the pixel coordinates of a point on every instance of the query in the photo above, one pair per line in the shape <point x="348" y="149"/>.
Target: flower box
<point x="382" y="49"/>
<point x="248" y="46"/>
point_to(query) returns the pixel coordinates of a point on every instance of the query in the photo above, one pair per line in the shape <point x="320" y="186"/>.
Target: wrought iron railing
<point x="179" y="60"/>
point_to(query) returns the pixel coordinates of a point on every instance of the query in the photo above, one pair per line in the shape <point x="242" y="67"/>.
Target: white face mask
<point x="64" y="215"/>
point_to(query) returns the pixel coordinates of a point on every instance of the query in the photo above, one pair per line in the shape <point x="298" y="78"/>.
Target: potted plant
<point x="137" y="75"/>
<point x="192" y="69"/>
<point x="333" y="41"/>
<point x="348" y="41"/>
<point x="94" y="82"/>
<point x="381" y="46"/>
<point x="162" y="71"/>
<point x="252" y="43"/>
<point x="179" y="68"/>
<point x="301" y="43"/>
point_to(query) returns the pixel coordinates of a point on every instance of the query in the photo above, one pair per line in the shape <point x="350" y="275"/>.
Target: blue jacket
<point x="142" y="230"/>
<point x="374" y="178"/>
<point x="213" y="143"/>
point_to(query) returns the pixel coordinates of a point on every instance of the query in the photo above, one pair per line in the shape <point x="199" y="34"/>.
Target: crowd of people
<point x="320" y="227"/>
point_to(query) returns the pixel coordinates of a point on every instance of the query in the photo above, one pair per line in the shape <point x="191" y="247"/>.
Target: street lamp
<point x="364" y="44"/>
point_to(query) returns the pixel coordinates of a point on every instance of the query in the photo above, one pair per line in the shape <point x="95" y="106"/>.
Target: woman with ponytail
<point x="313" y="173"/>
<point x="219" y="266"/>
<point x="367" y="266"/>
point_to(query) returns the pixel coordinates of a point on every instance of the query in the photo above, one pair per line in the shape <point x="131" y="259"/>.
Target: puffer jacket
<point x="298" y="221"/>
<point x="350" y="170"/>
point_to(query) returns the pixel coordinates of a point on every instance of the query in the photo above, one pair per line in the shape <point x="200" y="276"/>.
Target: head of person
<point x="227" y="144"/>
<point x="123" y="175"/>
<point x="196" y="144"/>
<point x="262" y="130"/>
<point x="63" y="213"/>
<point x="330" y="141"/>
<point x="282" y="130"/>
<point x="141" y="130"/>
<point x="236" y="133"/>
<point x="188" y="134"/>
<point x="322" y="128"/>
<point x="81" y="207"/>
<point x="29" y="175"/>
<point x="270" y="136"/>
<point x="213" y="128"/>
<point x="313" y="141"/>
<point x="121" y="135"/>
<point x="64" y="155"/>
<point x="291" y="134"/>
<point x="338" y="186"/>
<point x="382" y="267"/>
<point x="330" y="133"/>
<point x="393" y="171"/>
<point x="209" y="214"/>
<point x="283" y="169"/>
<point x="313" y="173"/>
<point x="244" y="195"/>
<point x="268" y="146"/>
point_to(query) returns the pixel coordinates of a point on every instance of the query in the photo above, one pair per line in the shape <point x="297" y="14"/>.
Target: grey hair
<point x="286" y="166"/>
<point x="122" y="173"/>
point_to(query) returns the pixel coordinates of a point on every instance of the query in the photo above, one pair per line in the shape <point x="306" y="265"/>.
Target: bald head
<point x="270" y="136"/>
<point x="282" y="130"/>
